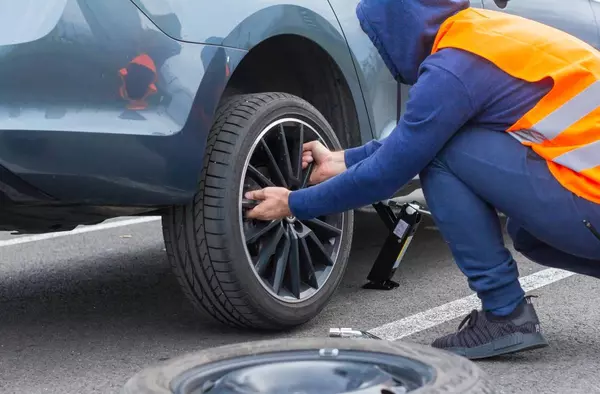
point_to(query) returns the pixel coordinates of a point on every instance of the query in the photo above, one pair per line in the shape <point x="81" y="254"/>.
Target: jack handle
<point x="414" y="205"/>
<point x="249" y="204"/>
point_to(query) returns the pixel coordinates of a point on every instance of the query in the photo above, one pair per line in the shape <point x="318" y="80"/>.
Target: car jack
<point x="402" y="228"/>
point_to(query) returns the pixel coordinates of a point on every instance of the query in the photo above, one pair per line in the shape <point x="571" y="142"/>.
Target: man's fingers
<point x="253" y="213"/>
<point x="258" y="212"/>
<point x="306" y="160"/>
<point x="255" y="194"/>
<point x="308" y="146"/>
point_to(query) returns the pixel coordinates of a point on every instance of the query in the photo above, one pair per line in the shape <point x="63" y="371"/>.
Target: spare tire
<point x="256" y="274"/>
<point x="314" y="365"/>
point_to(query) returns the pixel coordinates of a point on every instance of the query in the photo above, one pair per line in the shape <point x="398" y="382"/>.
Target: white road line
<point x="78" y="230"/>
<point x="391" y="331"/>
<point x="430" y="318"/>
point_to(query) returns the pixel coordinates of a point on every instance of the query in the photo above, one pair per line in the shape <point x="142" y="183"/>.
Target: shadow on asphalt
<point x="120" y="290"/>
<point x="125" y="300"/>
<point x="87" y="323"/>
<point x="123" y="292"/>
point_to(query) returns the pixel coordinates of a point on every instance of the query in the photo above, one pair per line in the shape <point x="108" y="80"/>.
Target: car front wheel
<point x="269" y="275"/>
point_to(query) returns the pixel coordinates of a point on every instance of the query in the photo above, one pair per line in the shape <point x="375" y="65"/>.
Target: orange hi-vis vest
<point x="564" y="126"/>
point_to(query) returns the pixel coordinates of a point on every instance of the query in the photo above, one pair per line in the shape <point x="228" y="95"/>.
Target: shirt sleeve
<point x="358" y="154"/>
<point x="430" y="120"/>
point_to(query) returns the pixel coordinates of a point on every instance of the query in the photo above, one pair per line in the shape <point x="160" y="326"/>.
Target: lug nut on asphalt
<point x="337" y="332"/>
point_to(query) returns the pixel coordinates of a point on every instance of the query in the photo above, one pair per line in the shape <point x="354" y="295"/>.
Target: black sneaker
<point x="486" y="335"/>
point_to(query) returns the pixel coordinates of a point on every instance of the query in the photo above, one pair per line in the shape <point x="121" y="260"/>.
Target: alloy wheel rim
<point x="323" y="371"/>
<point x="292" y="259"/>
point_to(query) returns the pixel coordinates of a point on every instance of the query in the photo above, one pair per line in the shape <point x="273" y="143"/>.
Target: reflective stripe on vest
<point x="565" y="116"/>
<point x="564" y="126"/>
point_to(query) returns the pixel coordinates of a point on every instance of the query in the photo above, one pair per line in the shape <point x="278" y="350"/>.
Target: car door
<point x="384" y="96"/>
<point x="575" y="17"/>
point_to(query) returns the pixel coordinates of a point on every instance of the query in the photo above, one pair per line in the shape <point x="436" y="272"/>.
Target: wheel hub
<point x="307" y="377"/>
<point x="322" y="371"/>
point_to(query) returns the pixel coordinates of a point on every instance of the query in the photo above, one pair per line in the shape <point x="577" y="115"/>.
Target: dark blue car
<point x="114" y="108"/>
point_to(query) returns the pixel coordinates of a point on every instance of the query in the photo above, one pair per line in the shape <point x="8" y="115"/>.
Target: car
<point x="174" y="108"/>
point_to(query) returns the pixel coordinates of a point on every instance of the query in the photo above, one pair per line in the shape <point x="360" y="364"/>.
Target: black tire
<point x="435" y="371"/>
<point x="204" y="243"/>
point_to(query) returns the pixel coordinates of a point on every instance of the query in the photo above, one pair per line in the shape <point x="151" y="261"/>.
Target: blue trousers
<point x="480" y="172"/>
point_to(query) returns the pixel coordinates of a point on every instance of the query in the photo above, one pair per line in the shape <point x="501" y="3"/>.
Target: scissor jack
<point x="402" y="228"/>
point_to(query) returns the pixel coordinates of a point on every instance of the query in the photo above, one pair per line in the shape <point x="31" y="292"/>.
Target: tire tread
<point x="194" y="235"/>
<point x="215" y="290"/>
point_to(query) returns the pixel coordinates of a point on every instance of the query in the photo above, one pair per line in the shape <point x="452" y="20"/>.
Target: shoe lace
<point x="469" y="320"/>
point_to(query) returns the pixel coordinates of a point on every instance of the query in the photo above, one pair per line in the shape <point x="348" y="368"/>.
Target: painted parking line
<point x="430" y="318"/>
<point x="390" y="331"/>
<point x="78" y="230"/>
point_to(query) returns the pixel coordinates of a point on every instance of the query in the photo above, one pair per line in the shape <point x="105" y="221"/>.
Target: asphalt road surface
<point x="83" y="312"/>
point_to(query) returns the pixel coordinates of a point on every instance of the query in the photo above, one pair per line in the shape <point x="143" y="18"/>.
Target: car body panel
<point x="596" y="9"/>
<point x="575" y="17"/>
<point x="379" y="88"/>
<point x="28" y="20"/>
<point x="243" y="25"/>
<point x="67" y="135"/>
<point x="65" y="129"/>
<point x="239" y="24"/>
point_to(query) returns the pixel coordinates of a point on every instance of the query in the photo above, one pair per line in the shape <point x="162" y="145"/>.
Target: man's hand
<point x="327" y="164"/>
<point x="274" y="203"/>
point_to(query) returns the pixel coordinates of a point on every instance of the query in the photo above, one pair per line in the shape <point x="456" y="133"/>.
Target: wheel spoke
<point x="256" y="234"/>
<point x="259" y="177"/>
<point x="283" y="255"/>
<point x="285" y="155"/>
<point x="309" y="269"/>
<point x="304" y="231"/>
<point x="300" y="151"/>
<point x="273" y="166"/>
<point x="294" y="265"/>
<point x="264" y="257"/>
<point x="326" y="229"/>
<point x="321" y="248"/>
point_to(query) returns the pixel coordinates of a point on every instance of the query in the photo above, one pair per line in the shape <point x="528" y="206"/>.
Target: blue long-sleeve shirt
<point x="454" y="89"/>
<point x="450" y="89"/>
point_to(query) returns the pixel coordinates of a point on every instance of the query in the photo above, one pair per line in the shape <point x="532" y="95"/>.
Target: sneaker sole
<point x="513" y="343"/>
